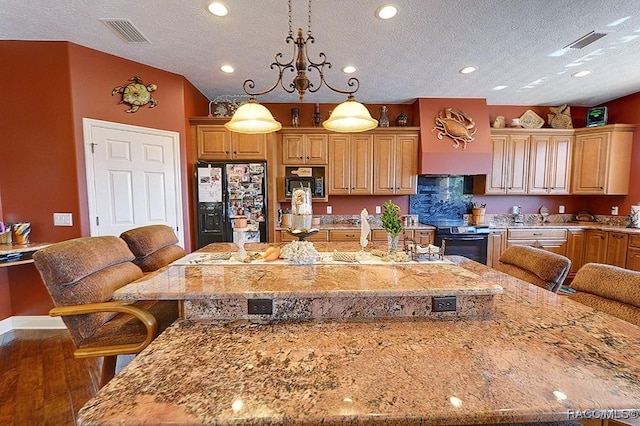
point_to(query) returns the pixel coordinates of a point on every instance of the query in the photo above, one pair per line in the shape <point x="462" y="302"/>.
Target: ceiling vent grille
<point x="586" y="40"/>
<point x="126" y="30"/>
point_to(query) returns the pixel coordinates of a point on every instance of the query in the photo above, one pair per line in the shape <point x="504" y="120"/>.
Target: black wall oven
<point x="463" y="240"/>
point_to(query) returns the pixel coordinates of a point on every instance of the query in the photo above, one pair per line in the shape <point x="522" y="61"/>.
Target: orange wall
<point x="53" y="85"/>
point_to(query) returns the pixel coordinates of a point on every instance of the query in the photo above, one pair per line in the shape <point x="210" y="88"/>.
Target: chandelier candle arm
<point x="349" y="116"/>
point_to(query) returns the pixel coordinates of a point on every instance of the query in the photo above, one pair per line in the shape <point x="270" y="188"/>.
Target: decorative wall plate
<point x="136" y="94"/>
<point x="457" y="125"/>
<point x="531" y="120"/>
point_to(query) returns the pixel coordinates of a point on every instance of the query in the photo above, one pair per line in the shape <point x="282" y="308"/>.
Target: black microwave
<point x="316" y="183"/>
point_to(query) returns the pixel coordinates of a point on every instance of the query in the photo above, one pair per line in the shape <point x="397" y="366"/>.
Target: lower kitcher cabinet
<point x="575" y="249"/>
<point x="617" y="243"/>
<point x="633" y="253"/>
<point x="595" y="249"/>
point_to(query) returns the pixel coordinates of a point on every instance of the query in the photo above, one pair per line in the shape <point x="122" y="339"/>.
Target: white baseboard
<point x="31" y="322"/>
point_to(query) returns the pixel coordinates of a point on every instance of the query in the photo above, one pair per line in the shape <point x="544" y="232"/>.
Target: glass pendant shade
<point x="253" y="118"/>
<point x="350" y="117"/>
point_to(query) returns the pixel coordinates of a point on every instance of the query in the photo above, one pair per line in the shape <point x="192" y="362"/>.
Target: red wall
<point x="42" y="135"/>
<point x="439" y="156"/>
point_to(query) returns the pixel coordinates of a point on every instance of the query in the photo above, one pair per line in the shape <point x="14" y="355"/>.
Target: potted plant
<point x="392" y="223"/>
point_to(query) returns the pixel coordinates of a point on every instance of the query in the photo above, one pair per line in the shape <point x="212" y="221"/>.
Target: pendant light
<point x="350" y="116"/>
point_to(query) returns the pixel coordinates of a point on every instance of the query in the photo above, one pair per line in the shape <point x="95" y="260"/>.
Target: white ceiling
<point x="416" y="54"/>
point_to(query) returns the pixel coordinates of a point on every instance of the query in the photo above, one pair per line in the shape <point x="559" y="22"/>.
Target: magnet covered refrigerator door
<point x="247" y="196"/>
<point x="210" y="204"/>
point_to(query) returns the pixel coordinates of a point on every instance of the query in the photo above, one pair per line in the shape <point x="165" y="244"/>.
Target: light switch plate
<point x="62" y="219"/>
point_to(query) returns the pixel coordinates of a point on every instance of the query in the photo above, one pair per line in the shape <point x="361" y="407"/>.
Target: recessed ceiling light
<point x="499" y="87"/>
<point x="580" y="74"/>
<point x="218" y="9"/>
<point x="467" y="70"/>
<point x="348" y="69"/>
<point x="386" y="12"/>
<point x="227" y="68"/>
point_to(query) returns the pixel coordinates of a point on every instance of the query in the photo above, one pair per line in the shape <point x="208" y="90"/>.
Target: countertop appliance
<point x="227" y="190"/>
<point x="462" y="239"/>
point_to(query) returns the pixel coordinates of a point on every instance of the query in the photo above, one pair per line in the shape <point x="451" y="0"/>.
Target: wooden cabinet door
<point x="590" y="163"/>
<point x="340" y="165"/>
<point x="214" y="143"/>
<point x="595" y="249"/>
<point x="361" y="152"/>
<point x="496" y="245"/>
<point x="293" y="149"/>
<point x="617" y="243"/>
<point x="248" y="147"/>
<point x="560" y="165"/>
<point x="539" y="158"/>
<point x="406" y="164"/>
<point x="633" y="259"/>
<point x="497" y="179"/>
<point x="517" y="164"/>
<point x="575" y="249"/>
<point x="384" y="150"/>
<point x="315" y="149"/>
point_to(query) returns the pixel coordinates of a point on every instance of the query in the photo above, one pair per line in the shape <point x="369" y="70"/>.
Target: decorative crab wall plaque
<point x="457" y="125"/>
<point x="136" y="94"/>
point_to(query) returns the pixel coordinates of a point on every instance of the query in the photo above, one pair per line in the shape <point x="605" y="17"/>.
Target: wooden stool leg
<point x="108" y="369"/>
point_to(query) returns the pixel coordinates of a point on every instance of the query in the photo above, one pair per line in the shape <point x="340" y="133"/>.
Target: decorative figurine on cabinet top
<point x="402" y="120"/>
<point x="136" y="94"/>
<point x="560" y="117"/>
<point x="457" y="125"/>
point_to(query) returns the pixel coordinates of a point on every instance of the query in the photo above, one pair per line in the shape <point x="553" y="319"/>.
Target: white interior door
<point x="133" y="177"/>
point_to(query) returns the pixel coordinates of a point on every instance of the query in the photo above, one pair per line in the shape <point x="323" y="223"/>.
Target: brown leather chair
<point x="610" y="289"/>
<point x="154" y="246"/>
<point x="537" y="266"/>
<point x="81" y="276"/>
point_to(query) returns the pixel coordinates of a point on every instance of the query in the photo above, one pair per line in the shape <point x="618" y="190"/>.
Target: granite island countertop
<point x="542" y="357"/>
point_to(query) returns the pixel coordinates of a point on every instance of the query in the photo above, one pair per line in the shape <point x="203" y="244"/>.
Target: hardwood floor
<point x="41" y="383"/>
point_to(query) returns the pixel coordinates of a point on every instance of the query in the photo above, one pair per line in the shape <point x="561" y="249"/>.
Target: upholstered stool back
<point x="610" y="289"/>
<point x="537" y="266"/>
<point x="86" y="270"/>
<point x="154" y="246"/>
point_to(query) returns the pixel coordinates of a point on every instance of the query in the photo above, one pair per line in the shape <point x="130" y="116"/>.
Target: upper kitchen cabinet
<point x="215" y="142"/>
<point x="306" y="147"/>
<point x="550" y="163"/>
<point x="395" y="161"/>
<point x="351" y="164"/>
<point x="509" y="163"/>
<point x="602" y="160"/>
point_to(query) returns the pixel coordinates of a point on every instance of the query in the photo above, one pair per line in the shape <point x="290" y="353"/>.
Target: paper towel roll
<point x="635" y="216"/>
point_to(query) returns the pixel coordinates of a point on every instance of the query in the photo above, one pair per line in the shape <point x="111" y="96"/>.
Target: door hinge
<point x="97" y="221"/>
<point x="93" y="145"/>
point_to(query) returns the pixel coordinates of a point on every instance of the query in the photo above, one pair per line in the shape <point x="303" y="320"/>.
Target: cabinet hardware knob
<point x="536" y="233"/>
<point x="301" y="157"/>
<point x="308" y="157"/>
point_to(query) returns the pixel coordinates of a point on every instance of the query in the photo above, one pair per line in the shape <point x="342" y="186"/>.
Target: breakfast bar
<point x="536" y="357"/>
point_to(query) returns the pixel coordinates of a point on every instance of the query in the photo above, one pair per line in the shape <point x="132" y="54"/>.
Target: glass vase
<point x="392" y="243"/>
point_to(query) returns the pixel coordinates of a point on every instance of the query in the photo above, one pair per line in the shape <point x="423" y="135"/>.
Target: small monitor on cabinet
<point x="596" y="116"/>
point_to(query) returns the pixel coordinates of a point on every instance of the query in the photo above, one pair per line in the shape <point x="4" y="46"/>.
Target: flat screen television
<point x="597" y="116"/>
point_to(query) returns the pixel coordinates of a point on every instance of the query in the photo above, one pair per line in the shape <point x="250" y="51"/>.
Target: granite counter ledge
<point x="221" y="291"/>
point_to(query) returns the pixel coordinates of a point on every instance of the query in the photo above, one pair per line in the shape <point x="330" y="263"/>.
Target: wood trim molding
<point x="35" y="322"/>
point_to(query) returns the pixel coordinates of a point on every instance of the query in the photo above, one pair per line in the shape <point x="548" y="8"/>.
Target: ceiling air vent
<point x="585" y="40"/>
<point x="126" y="30"/>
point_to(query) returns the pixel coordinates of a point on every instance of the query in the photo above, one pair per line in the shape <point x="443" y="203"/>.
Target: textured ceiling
<point x="416" y="54"/>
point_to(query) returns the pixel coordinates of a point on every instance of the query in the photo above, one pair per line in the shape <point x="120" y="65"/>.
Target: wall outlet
<point x="259" y="306"/>
<point x="378" y="210"/>
<point x="62" y="219"/>
<point x="443" y="304"/>
<point x="329" y="210"/>
<point x="614" y="210"/>
<point x="561" y="209"/>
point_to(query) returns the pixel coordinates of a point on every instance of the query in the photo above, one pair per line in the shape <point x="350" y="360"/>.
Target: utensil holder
<point x="477" y="215"/>
<point x="5" y="237"/>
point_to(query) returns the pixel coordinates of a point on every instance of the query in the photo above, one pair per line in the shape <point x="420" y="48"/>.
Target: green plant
<point x="391" y="221"/>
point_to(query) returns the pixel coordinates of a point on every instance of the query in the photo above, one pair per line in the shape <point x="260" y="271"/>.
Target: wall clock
<point x="136" y="94"/>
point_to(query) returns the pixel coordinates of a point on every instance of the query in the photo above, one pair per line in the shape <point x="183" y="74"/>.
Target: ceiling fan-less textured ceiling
<point x="400" y="59"/>
<point x="348" y="117"/>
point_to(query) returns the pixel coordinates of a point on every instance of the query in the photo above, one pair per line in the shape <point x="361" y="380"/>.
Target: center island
<point x="537" y="357"/>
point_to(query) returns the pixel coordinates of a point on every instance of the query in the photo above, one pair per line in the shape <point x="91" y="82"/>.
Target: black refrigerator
<point x="226" y="190"/>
